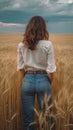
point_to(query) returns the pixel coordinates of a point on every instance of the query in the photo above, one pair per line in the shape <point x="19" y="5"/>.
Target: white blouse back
<point x="42" y="58"/>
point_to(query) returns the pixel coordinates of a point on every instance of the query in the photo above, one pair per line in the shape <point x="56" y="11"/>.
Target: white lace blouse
<point x="40" y="59"/>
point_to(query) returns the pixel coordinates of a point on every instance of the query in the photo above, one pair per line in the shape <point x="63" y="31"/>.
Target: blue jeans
<point x="33" y="84"/>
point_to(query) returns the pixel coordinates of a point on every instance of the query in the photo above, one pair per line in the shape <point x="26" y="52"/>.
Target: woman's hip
<point x="43" y="84"/>
<point x="36" y="82"/>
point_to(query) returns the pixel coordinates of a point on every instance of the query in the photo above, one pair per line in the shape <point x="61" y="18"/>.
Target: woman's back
<point x="42" y="58"/>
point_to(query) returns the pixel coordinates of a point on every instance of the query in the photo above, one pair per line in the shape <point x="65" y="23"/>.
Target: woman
<point x="35" y="60"/>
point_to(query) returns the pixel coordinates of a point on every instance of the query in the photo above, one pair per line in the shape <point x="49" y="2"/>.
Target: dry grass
<point x="10" y="82"/>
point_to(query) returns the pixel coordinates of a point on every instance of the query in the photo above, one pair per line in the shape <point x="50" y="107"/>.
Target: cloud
<point x="42" y="7"/>
<point x="65" y="1"/>
<point x="17" y="5"/>
<point x="21" y="4"/>
<point x="11" y="24"/>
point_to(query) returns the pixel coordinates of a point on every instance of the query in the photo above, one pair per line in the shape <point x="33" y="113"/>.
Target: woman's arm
<point x="20" y="62"/>
<point x="51" y="66"/>
<point x="51" y="77"/>
<point x="22" y="73"/>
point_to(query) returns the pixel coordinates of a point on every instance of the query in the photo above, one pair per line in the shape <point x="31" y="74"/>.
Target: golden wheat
<point x="10" y="84"/>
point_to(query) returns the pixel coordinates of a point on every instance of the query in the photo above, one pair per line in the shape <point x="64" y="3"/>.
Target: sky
<point x="16" y="13"/>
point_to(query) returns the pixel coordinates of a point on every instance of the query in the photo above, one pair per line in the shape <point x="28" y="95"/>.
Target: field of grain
<point x="10" y="82"/>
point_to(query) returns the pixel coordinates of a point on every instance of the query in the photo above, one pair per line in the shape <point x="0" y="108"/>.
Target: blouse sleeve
<point x="20" y="61"/>
<point x="51" y="67"/>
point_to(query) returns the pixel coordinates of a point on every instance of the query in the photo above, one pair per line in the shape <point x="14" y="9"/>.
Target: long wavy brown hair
<point x="35" y="30"/>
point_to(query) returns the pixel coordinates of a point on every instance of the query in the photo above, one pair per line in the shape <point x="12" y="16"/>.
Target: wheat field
<point x="10" y="82"/>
